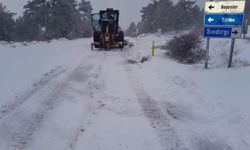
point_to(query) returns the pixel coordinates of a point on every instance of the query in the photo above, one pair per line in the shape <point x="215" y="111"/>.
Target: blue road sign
<point x="220" y="32"/>
<point x="223" y="19"/>
<point x="217" y="32"/>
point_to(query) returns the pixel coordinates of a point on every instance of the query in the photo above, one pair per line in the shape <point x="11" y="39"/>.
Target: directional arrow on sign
<point x="211" y="7"/>
<point x="235" y="32"/>
<point x="210" y="19"/>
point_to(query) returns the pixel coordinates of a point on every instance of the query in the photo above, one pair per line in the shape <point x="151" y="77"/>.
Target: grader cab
<point x="106" y="30"/>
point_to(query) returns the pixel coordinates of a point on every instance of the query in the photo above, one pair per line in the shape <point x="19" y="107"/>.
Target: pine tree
<point x="27" y="30"/>
<point x="36" y="16"/>
<point x="182" y="12"/>
<point x="147" y="25"/>
<point x="164" y="15"/>
<point x="52" y="18"/>
<point x="7" y="24"/>
<point x="131" y="31"/>
<point x="63" y="18"/>
<point x="85" y="9"/>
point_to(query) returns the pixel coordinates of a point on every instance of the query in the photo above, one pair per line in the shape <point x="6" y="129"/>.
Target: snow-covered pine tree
<point x="36" y="17"/>
<point x="186" y="15"/>
<point x="131" y="31"/>
<point x="147" y="25"/>
<point x="7" y="24"/>
<point x="163" y="15"/>
<point x="85" y="9"/>
<point x="52" y="18"/>
<point x="166" y="16"/>
<point x="63" y="18"/>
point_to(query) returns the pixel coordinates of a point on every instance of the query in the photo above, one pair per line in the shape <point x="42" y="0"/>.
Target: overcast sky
<point x="129" y="9"/>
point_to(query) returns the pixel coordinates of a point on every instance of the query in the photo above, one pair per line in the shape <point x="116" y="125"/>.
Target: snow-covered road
<point x="87" y="103"/>
<point x="107" y="100"/>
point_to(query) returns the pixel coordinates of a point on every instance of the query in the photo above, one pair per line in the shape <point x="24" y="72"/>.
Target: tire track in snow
<point x="93" y="87"/>
<point x="159" y="120"/>
<point x="22" y="123"/>
<point x="25" y="136"/>
<point x="35" y="121"/>
<point x="19" y="100"/>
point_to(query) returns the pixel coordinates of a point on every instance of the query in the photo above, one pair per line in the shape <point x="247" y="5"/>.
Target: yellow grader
<point x="106" y="30"/>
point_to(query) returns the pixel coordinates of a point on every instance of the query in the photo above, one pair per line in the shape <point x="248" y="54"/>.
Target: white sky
<point x="129" y="9"/>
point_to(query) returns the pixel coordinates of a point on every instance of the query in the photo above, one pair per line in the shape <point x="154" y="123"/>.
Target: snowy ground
<point x="63" y="96"/>
<point x="209" y="109"/>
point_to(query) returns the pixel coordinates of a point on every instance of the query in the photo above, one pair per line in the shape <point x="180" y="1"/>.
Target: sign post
<point x="223" y="19"/>
<point x="231" y="53"/>
<point x="245" y="28"/>
<point x="207" y="53"/>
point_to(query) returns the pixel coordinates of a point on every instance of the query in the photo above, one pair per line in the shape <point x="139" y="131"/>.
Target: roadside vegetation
<point x="186" y="48"/>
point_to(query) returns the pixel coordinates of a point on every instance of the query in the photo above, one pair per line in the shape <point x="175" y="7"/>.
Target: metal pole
<point x="244" y="32"/>
<point x="231" y="53"/>
<point x="245" y="28"/>
<point x="207" y="53"/>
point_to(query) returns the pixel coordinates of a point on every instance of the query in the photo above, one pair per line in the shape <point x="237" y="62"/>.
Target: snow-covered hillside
<point x="62" y="95"/>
